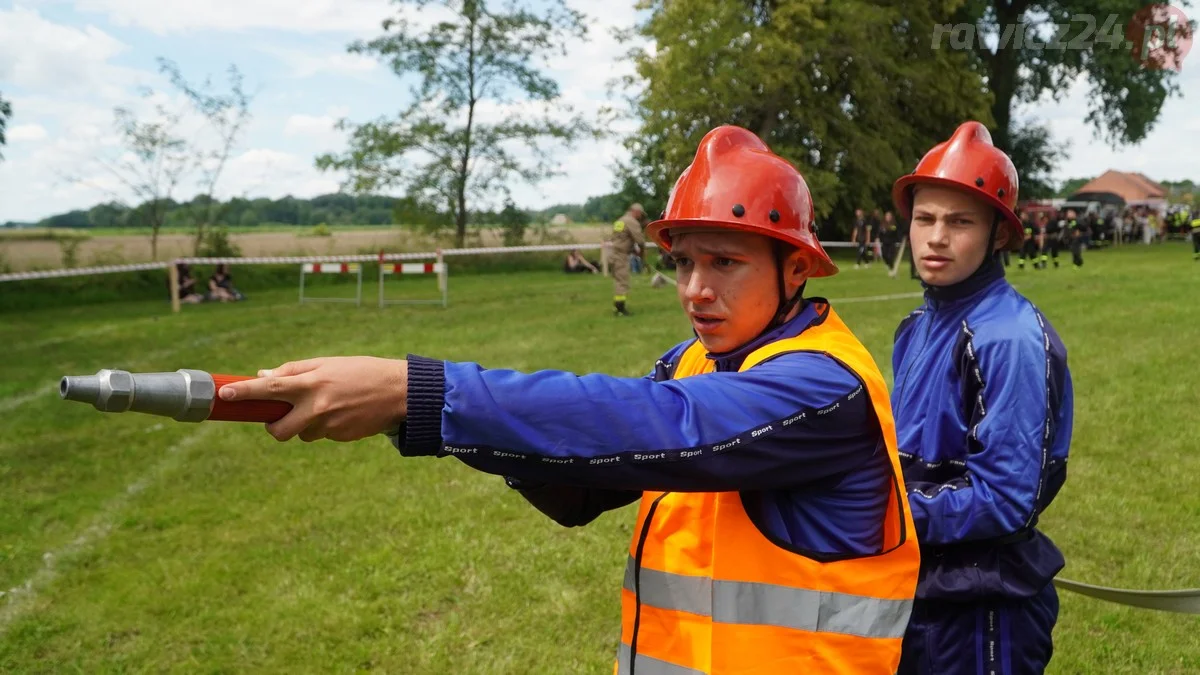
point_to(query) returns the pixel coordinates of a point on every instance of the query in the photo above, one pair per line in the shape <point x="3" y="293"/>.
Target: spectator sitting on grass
<point x="220" y="286"/>
<point x="187" y="285"/>
<point x="576" y="263"/>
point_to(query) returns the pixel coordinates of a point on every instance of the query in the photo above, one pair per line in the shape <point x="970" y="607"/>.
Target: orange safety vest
<point x="713" y="595"/>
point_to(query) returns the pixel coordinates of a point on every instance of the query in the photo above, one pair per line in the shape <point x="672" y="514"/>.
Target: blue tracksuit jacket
<point x="579" y="445"/>
<point x="983" y="405"/>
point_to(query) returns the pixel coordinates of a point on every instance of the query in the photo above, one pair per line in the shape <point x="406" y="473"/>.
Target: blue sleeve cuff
<point x="422" y="432"/>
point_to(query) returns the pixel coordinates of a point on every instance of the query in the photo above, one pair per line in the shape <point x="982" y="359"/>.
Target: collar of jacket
<point x="812" y="311"/>
<point x="988" y="273"/>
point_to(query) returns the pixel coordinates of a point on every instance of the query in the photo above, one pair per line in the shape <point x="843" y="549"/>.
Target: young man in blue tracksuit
<point x="983" y="404"/>
<point x="773" y="527"/>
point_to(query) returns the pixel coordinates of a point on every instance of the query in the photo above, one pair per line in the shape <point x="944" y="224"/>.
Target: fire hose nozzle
<point x="185" y="395"/>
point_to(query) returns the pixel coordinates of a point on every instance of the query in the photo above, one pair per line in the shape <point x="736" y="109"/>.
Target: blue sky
<point x="65" y="64"/>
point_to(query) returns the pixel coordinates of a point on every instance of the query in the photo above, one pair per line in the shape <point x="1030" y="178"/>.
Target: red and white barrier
<point x="413" y="268"/>
<point x="439" y="268"/>
<point x="332" y="268"/>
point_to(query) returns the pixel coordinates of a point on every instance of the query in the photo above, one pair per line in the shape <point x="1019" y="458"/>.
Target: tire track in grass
<point x="17" y="400"/>
<point x="18" y="600"/>
<point x="78" y="335"/>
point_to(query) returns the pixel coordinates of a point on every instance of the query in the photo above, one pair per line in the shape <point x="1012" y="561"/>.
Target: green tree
<point x="5" y="115"/>
<point x="1035" y="154"/>
<point x="1071" y="186"/>
<point x="154" y="162"/>
<point x="442" y="149"/>
<point x="227" y="114"/>
<point x="513" y="222"/>
<point x="1027" y="49"/>
<point x="109" y="214"/>
<point x="852" y="92"/>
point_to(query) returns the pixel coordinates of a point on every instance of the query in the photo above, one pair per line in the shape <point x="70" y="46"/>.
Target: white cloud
<point x="317" y="129"/>
<point x="306" y="64"/>
<point x="308" y="125"/>
<point x="38" y="54"/>
<point x="300" y="16"/>
<point x="264" y="172"/>
<point x="305" y="16"/>
<point x="26" y="132"/>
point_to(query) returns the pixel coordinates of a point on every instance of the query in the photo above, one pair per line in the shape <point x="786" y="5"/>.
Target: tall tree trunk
<point x="1002" y="78"/>
<point x="464" y="167"/>
<point x="460" y="219"/>
<point x="769" y="120"/>
<point x="199" y="238"/>
<point x="155" y="225"/>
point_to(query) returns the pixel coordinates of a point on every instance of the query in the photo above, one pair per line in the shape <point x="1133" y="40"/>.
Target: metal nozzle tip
<point x="85" y="388"/>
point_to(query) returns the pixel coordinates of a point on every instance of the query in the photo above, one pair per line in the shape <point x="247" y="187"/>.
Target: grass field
<point x="130" y="543"/>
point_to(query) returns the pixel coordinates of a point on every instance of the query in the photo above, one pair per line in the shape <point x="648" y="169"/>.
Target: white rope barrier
<point x="82" y="271"/>
<point x="296" y="260"/>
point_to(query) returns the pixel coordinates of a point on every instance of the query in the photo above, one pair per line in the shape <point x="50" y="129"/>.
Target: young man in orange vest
<point x="773" y="533"/>
<point x="983" y="403"/>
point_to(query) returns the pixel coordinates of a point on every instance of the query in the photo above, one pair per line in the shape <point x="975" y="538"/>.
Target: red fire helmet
<point x="735" y="182"/>
<point x="969" y="162"/>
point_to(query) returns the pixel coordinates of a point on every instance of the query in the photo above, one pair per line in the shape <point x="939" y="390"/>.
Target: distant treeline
<point x="331" y="209"/>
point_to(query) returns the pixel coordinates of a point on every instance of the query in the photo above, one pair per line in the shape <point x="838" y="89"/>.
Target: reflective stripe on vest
<point x="706" y="592"/>
<point x="772" y="605"/>
<point x="647" y="665"/>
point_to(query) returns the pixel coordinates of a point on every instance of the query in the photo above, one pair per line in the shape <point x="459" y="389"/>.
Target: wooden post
<point x="173" y="277"/>
<point x="604" y="258"/>
<point x="380" y="278"/>
<point x="443" y="284"/>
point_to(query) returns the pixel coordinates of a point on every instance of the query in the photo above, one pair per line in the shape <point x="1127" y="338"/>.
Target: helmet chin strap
<point x="786" y="304"/>
<point x="991" y="245"/>
<point x="992" y="255"/>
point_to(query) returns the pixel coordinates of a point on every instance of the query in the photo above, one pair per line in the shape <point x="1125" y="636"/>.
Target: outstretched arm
<point x="795" y="419"/>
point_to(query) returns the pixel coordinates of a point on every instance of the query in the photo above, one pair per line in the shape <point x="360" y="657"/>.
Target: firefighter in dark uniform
<point x="889" y="239"/>
<point x="1053" y="241"/>
<point x="1029" y="249"/>
<point x="1196" y="238"/>
<point x="1075" y="235"/>
<point x="1043" y="238"/>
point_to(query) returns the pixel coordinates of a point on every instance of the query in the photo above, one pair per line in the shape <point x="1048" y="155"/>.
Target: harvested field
<point x="20" y="253"/>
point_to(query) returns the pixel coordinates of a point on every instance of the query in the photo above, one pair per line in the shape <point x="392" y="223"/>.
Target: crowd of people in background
<point x="1048" y="232"/>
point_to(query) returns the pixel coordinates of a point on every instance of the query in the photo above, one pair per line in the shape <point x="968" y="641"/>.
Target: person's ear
<point x="797" y="268"/>
<point x="1002" y="238"/>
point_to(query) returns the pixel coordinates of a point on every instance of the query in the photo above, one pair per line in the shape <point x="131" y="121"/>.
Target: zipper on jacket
<point x="637" y="581"/>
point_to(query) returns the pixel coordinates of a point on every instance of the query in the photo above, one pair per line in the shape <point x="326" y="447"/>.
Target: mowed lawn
<point x="130" y="543"/>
